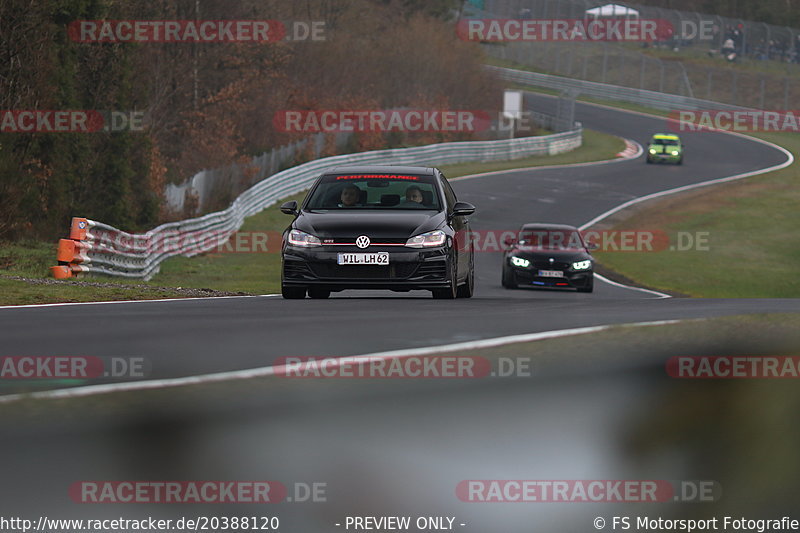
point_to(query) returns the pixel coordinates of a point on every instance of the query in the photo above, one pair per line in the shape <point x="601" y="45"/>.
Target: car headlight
<point x="520" y="262"/>
<point x="301" y="238"/>
<point x="425" y="240"/>
<point x="652" y="150"/>
<point x="582" y="265"/>
<point x="674" y="152"/>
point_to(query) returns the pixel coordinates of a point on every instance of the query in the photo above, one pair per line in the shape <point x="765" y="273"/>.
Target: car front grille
<point x="547" y="265"/>
<point x="391" y="271"/>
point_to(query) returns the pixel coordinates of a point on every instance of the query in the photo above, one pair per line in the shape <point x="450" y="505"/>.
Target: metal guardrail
<point x="94" y="247"/>
<point x="668" y="102"/>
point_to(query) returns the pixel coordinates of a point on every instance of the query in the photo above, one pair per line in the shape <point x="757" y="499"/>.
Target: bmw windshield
<point x="551" y="239"/>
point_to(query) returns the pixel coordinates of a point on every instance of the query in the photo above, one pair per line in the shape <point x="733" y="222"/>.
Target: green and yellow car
<point x="665" y="148"/>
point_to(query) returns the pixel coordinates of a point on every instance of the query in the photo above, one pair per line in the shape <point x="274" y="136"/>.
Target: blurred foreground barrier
<point x="97" y="248"/>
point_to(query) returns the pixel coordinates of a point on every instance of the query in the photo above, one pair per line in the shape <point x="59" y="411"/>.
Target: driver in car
<point x="350" y="196"/>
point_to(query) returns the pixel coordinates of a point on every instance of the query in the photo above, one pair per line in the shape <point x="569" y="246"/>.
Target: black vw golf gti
<point x="548" y="255"/>
<point x="378" y="227"/>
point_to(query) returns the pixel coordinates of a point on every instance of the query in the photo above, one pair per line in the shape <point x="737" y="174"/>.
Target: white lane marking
<point x="188" y="298"/>
<point x="617" y="284"/>
<point x="91" y="390"/>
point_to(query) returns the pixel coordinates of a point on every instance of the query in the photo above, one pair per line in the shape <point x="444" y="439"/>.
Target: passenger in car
<point x="413" y="197"/>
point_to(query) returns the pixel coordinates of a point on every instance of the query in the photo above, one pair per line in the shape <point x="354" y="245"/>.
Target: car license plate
<point x="380" y="258"/>
<point x="551" y="274"/>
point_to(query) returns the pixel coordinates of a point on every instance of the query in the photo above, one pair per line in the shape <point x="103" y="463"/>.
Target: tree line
<point x="205" y="105"/>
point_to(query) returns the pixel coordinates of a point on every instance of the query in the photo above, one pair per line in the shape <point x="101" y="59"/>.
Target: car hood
<point x="538" y="254"/>
<point x="372" y="223"/>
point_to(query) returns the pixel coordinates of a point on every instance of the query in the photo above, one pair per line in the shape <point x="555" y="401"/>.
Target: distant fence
<point x="753" y="40"/>
<point x="214" y="186"/>
<point x="605" y="91"/>
<point x="94" y="247"/>
<point x="625" y="64"/>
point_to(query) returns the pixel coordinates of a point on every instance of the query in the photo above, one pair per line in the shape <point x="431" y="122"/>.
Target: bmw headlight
<point x="674" y="152"/>
<point x="425" y="240"/>
<point x="520" y="262"/>
<point x="652" y="150"/>
<point x="582" y="265"/>
<point x="301" y="238"/>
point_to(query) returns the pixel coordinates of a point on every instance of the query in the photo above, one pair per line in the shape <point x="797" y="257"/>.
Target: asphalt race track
<point x="192" y="337"/>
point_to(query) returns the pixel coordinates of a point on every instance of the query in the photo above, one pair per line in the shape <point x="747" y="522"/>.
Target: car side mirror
<point x="290" y="208"/>
<point x="510" y="241"/>
<point x="592" y="246"/>
<point x="462" y="209"/>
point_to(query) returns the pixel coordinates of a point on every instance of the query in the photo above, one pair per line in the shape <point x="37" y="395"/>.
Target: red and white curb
<point x="632" y="150"/>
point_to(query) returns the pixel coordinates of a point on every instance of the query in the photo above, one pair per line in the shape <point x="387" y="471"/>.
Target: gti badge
<point x="362" y="241"/>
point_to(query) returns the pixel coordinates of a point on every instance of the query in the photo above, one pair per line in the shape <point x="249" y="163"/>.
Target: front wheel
<point x="507" y="280"/>
<point x="468" y="288"/>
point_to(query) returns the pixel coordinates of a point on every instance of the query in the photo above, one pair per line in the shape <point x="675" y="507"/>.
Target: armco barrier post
<point x="72" y="252"/>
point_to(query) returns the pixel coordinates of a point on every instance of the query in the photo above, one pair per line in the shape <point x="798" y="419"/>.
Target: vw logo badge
<point x="362" y="241"/>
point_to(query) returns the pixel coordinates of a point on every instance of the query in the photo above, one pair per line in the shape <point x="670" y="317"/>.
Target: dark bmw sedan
<point x="548" y="255"/>
<point x="378" y="227"/>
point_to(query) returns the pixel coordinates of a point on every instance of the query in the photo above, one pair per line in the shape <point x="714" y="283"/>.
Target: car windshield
<point x="551" y="239"/>
<point x="375" y="191"/>
<point x="666" y="142"/>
